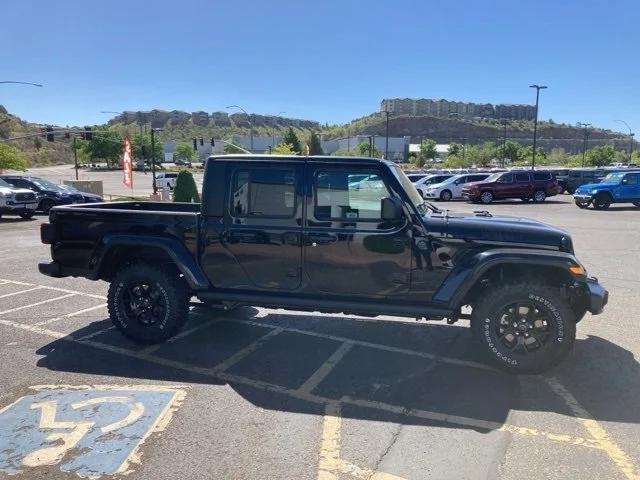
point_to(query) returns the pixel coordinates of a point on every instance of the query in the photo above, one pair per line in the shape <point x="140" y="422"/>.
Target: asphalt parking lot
<point x="256" y="393"/>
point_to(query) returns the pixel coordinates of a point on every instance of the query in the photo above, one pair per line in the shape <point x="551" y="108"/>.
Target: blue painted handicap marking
<point x="89" y="431"/>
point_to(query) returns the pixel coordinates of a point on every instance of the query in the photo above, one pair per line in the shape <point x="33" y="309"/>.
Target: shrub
<point x="186" y="189"/>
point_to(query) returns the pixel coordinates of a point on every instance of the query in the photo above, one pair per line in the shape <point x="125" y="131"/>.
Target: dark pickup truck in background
<point x="329" y="234"/>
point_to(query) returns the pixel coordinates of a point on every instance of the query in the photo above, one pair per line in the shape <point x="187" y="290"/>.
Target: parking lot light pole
<point x="631" y="135"/>
<point x="535" y="123"/>
<point x="153" y="158"/>
<point x="250" y="124"/>
<point x="585" y="126"/>
<point x="386" y="141"/>
<point x="504" y="140"/>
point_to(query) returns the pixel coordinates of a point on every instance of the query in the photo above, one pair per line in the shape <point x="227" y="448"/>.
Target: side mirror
<point x="391" y="208"/>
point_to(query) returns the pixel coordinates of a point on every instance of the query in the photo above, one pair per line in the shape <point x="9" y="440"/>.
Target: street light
<point x="504" y="140"/>
<point x="535" y="124"/>
<point x="386" y="141"/>
<point x="584" y="141"/>
<point x="250" y="124"/>
<point x="22" y="83"/>
<point x="273" y="130"/>
<point x="631" y="135"/>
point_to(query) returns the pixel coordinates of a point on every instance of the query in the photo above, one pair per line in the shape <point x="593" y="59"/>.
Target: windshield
<point x="46" y="184"/>
<point x="69" y="188"/>
<point x="493" y="177"/>
<point x="613" y="177"/>
<point x="414" y="196"/>
<point x="4" y="184"/>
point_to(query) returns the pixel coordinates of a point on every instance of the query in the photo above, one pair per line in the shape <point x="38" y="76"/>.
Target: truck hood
<point x="499" y="230"/>
<point x="12" y="190"/>
<point x="590" y="186"/>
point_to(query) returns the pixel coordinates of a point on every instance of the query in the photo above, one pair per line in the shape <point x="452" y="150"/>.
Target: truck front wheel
<point x="524" y="327"/>
<point x="148" y="304"/>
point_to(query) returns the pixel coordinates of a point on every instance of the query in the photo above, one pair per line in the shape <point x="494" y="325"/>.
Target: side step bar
<point x="324" y="305"/>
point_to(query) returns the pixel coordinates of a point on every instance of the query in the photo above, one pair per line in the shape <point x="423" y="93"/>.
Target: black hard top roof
<point x="298" y="158"/>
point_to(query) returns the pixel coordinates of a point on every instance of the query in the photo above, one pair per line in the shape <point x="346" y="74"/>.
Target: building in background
<point x="444" y="108"/>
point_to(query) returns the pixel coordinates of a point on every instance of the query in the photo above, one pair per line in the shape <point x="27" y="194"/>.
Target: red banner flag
<point x="127" y="169"/>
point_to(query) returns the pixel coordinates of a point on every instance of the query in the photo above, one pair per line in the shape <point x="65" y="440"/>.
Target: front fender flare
<point x="466" y="273"/>
<point x="174" y="248"/>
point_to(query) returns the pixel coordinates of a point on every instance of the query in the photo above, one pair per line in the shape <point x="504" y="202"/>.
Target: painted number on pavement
<point x="89" y="431"/>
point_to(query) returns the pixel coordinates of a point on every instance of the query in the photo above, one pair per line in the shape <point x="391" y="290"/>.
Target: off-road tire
<point x="602" y="201"/>
<point x="582" y="205"/>
<point x="561" y="323"/>
<point x="173" y="293"/>
<point x="445" y="195"/>
<point x="637" y="204"/>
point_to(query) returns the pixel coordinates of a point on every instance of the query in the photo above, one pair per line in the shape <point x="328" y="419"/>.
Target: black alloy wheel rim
<point x="145" y="303"/>
<point x="523" y="328"/>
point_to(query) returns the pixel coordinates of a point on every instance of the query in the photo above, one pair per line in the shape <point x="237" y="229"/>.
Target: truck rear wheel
<point x="148" y="304"/>
<point x="524" y="327"/>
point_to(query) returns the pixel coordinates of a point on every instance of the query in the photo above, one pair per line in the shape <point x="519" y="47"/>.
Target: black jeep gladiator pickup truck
<point x="328" y="234"/>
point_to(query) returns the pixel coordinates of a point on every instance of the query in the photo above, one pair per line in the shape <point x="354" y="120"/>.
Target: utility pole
<point x="75" y="155"/>
<point x="386" y="142"/>
<point x="504" y="140"/>
<point x="631" y="135"/>
<point x="535" y="123"/>
<point x="584" y="140"/>
<point x="153" y="158"/>
<point x="250" y="124"/>
<point x="371" y="146"/>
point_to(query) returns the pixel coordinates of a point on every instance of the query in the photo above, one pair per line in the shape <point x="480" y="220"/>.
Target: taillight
<point x="47" y="233"/>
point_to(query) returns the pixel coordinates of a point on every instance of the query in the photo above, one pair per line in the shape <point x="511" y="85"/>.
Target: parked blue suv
<point x="616" y="187"/>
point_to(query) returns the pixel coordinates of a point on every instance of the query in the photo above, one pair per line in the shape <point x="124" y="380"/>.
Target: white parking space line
<point x="6" y="280"/>
<point x="240" y="354"/>
<point x="21" y="291"/>
<point x="55" y="299"/>
<point x="325" y="369"/>
<point x="452" y="419"/>
<point x="57" y="289"/>
<point x="69" y="315"/>
<point x="184" y="333"/>
<point x="95" y="334"/>
<point x="378" y="346"/>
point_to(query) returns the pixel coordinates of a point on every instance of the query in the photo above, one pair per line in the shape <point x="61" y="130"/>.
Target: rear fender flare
<point x="173" y="247"/>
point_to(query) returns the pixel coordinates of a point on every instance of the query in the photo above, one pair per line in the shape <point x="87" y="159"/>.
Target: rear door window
<point x="263" y="192"/>
<point x="522" y="177"/>
<point x="506" y="178"/>
<point x="542" y="176"/>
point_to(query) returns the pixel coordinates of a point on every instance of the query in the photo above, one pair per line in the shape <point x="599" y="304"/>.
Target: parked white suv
<point x="17" y="201"/>
<point x="166" y="179"/>
<point x="452" y="187"/>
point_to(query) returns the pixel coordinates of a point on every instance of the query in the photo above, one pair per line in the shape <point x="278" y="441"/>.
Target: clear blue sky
<point x="329" y="60"/>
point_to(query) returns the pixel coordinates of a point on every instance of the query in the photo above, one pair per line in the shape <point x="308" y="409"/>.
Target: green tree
<point x="482" y="155"/>
<point x="364" y="150"/>
<point x="185" y="151"/>
<point x="527" y="156"/>
<point x="455" y="161"/>
<point x="600" y="156"/>
<point x="144" y="139"/>
<point x="11" y="158"/>
<point x="105" y="144"/>
<point x="292" y="139"/>
<point x="419" y="161"/>
<point x="315" y="148"/>
<point x="186" y="189"/>
<point x="558" y="156"/>
<point x="284" y="149"/>
<point x="511" y="151"/>
<point x="455" y="149"/>
<point x="428" y="149"/>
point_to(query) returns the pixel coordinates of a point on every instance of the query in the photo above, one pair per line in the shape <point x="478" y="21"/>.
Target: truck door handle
<point x="314" y="239"/>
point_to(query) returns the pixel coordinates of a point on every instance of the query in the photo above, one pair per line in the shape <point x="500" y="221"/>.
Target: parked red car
<point x="526" y="185"/>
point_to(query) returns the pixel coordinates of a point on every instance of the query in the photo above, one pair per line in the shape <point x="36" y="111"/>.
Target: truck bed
<point x="81" y="231"/>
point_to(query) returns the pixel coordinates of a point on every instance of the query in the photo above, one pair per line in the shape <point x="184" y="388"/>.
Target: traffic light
<point x="213" y="142"/>
<point x="201" y="142"/>
<point x="50" y="134"/>
<point x="195" y="144"/>
<point x="87" y="133"/>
